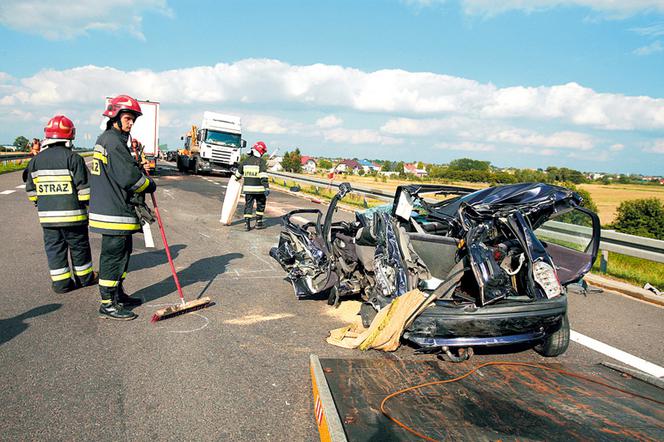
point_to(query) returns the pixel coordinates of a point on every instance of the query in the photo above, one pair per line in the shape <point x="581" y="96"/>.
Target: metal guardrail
<point x="610" y="240"/>
<point x="7" y="158"/>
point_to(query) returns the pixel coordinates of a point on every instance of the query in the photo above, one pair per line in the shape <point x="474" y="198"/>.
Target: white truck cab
<point x="219" y="143"/>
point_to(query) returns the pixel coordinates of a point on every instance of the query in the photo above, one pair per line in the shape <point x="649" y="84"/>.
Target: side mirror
<point x="182" y="138"/>
<point x="244" y="143"/>
<point x="344" y="189"/>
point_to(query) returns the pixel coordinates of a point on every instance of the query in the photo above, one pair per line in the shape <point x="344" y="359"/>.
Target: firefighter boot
<point x="127" y="301"/>
<point x="111" y="309"/>
<point x="259" y="223"/>
<point x="247" y="224"/>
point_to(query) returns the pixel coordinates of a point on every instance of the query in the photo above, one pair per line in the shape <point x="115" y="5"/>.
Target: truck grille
<point x="221" y="155"/>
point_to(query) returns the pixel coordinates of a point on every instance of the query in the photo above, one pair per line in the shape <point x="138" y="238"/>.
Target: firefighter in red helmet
<point x="57" y="182"/>
<point x="256" y="185"/>
<point x="117" y="182"/>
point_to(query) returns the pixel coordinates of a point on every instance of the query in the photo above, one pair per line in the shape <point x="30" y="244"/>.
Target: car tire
<point x="556" y="343"/>
<point x="368" y="313"/>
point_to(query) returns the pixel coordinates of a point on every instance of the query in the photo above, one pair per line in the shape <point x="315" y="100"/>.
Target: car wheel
<point x="368" y="313"/>
<point x="557" y="343"/>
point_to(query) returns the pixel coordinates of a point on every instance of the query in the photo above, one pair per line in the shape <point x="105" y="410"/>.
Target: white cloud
<point x="261" y="82"/>
<point x="656" y="146"/>
<point x="358" y="136"/>
<point x="654" y="30"/>
<point x="538" y="151"/>
<point x="266" y="124"/>
<point x="466" y="146"/>
<point x="329" y="121"/>
<point x="567" y="140"/>
<point x="652" y="48"/>
<point x="616" y="147"/>
<point x="613" y="8"/>
<point x="57" y="21"/>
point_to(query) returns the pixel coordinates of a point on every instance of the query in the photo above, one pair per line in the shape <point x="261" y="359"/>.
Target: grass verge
<point x="633" y="270"/>
<point x="324" y="193"/>
<point x="11" y="166"/>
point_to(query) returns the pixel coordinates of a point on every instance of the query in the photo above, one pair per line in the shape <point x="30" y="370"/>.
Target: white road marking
<point x="619" y="355"/>
<point x="22" y="186"/>
<point x="253" y="319"/>
<point x="203" y="234"/>
<point x="7" y="192"/>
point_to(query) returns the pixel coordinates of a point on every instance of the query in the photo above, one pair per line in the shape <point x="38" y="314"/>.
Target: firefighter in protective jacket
<point x="256" y="185"/>
<point x="57" y="182"/>
<point x="116" y="182"/>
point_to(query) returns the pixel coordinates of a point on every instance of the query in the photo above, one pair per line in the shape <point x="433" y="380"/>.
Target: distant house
<point x="348" y="166"/>
<point x="274" y="164"/>
<point x="308" y="164"/>
<point x="412" y="169"/>
<point x="369" y="166"/>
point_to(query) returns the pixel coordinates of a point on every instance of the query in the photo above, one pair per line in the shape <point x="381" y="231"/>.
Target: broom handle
<point x="163" y="236"/>
<point x="168" y="252"/>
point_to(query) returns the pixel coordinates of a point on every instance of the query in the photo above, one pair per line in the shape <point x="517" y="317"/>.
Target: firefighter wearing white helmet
<point x="57" y="182"/>
<point x="256" y="185"/>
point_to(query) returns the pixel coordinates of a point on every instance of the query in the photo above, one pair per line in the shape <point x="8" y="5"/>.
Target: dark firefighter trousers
<point x="113" y="264"/>
<point x="249" y="199"/>
<point x="59" y="243"/>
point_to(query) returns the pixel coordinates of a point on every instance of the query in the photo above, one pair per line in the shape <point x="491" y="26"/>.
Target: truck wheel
<point x="197" y="168"/>
<point x="557" y="343"/>
<point x="179" y="163"/>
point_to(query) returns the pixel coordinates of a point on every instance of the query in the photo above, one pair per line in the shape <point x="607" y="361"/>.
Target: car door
<point x="572" y="240"/>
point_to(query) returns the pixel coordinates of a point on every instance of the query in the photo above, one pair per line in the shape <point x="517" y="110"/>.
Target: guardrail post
<point x="604" y="261"/>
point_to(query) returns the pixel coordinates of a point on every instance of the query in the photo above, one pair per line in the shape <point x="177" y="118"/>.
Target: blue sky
<point x="576" y="83"/>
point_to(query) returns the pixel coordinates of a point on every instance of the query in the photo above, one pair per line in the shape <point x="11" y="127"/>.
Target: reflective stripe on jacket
<point x="254" y="172"/>
<point x="114" y="177"/>
<point x="57" y="180"/>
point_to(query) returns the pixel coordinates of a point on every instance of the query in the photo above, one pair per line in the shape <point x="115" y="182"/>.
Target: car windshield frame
<point x="223" y="138"/>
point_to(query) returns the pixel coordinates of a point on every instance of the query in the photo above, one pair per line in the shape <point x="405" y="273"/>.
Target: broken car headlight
<point x="547" y="278"/>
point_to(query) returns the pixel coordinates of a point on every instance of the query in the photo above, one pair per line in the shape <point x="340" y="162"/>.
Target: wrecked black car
<point x="496" y="261"/>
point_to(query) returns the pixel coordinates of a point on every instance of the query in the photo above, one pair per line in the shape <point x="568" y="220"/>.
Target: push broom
<point x="183" y="307"/>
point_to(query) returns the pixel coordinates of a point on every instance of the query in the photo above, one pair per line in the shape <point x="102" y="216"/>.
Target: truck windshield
<point x="232" y="140"/>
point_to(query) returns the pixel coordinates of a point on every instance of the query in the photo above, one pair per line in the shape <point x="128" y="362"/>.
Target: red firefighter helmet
<point x="60" y="127"/>
<point x="122" y="103"/>
<point x="260" y="147"/>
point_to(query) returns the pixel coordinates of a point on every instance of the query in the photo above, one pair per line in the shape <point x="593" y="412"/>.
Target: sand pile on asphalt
<point x="347" y="312"/>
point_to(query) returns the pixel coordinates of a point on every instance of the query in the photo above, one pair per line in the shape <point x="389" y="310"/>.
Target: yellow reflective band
<point x="144" y="186"/>
<point x="248" y="216"/>
<point x="84" y="197"/>
<point x="259" y="213"/>
<point x="253" y="189"/>
<point x="52" y="179"/>
<point x="114" y="226"/>
<point x="263" y="175"/>
<point x="106" y="301"/>
<point x="124" y="275"/>
<point x="62" y="219"/>
<point x="101" y="157"/>
<point x="61" y="277"/>
<point x="32" y="198"/>
<point x="83" y="272"/>
<point x="108" y="283"/>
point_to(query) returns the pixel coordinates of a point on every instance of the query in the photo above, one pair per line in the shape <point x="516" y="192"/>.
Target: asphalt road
<point x="235" y="371"/>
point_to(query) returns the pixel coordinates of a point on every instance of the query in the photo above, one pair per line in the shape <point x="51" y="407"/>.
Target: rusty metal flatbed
<point x="498" y="402"/>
